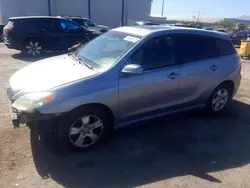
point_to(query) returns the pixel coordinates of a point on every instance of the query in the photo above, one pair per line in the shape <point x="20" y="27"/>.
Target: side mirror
<point x="132" y="69"/>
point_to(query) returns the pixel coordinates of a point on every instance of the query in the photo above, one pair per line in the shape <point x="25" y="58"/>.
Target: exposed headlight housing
<point x="33" y="100"/>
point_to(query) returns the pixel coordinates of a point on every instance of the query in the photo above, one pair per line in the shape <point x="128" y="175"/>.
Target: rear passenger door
<point x="197" y="56"/>
<point x="48" y="33"/>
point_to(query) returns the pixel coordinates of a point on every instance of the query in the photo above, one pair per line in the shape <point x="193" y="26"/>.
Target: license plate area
<point x="14" y="114"/>
<point x="14" y="117"/>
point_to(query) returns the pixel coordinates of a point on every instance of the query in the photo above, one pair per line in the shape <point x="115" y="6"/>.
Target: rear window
<point x="10" y="23"/>
<point x="225" y="47"/>
<point x="36" y="24"/>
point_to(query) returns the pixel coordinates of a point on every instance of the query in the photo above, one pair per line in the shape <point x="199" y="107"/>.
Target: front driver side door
<point x="157" y="87"/>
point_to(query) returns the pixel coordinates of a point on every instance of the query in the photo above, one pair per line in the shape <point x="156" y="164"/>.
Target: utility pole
<point x="162" y="8"/>
<point x="123" y="5"/>
<point x="198" y="18"/>
<point x="49" y="8"/>
<point x="89" y="8"/>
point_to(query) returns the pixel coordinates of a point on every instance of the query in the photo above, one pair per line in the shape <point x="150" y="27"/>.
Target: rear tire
<point x="84" y="128"/>
<point x="219" y="99"/>
<point x="32" y="47"/>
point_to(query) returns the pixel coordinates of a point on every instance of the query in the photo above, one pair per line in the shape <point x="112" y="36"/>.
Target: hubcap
<point x="220" y="100"/>
<point x="86" y="131"/>
<point x="34" y="48"/>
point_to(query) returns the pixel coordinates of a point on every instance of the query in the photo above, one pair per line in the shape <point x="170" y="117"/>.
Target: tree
<point x="227" y="24"/>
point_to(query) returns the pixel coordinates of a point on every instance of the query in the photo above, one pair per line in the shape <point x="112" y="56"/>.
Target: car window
<point x="156" y="53"/>
<point x="190" y="48"/>
<point x="89" y="23"/>
<point x="79" y="21"/>
<point x="69" y="26"/>
<point x="46" y="24"/>
<point x="29" y="23"/>
<point x="225" y="47"/>
<point x="108" y="48"/>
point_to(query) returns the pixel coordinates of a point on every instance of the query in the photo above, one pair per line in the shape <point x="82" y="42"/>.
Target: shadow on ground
<point x="184" y="144"/>
<point x="23" y="57"/>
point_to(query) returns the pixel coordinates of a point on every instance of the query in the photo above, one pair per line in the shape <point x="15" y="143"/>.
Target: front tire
<point x="84" y="128"/>
<point x="219" y="99"/>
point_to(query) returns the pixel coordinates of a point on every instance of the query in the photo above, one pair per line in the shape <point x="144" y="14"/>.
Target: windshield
<point x="107" y="49"/>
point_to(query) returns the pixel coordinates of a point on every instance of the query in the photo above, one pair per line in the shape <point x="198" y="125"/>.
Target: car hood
<point x="98" y="28"/>
<point x="49" y="73"/>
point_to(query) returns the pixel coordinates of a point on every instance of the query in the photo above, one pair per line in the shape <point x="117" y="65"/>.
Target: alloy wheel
<point x="220" y="99"/>
<point x="33" y="48"/>
<point x="86" y="131"/>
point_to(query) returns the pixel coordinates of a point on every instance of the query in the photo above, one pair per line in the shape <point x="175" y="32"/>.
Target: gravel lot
<point x="184" y="150"/>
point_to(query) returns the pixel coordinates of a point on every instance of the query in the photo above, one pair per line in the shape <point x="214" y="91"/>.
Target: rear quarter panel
<point x="228" y="70"/>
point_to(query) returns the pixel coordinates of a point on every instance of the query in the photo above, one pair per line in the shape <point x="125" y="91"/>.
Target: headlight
<point x="34" y="100"/>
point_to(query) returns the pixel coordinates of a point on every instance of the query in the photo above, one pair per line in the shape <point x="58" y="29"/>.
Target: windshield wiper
<point x="86" y="64"/>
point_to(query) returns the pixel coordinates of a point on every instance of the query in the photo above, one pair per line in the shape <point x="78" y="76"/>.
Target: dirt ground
<point x="188" y="150"/>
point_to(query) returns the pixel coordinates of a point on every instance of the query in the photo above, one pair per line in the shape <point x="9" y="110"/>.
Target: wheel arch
<point x="30" y="38"/>
<point x="229" y="84"/>
<point x="100" y="106"/>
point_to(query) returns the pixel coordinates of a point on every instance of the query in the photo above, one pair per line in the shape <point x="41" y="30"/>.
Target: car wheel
<point x="33" y="48"/>
<point x="219" y="99"/>
<point x="84" y="128"/>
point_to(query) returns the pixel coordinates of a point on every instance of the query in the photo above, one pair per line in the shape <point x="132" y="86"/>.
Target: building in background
<point x="107" y="12"/>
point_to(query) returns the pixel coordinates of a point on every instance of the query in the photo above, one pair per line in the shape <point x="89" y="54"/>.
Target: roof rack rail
<point x="71" y="16"/>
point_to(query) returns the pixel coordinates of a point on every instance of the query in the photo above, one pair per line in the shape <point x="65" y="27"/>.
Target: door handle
<point x="213" y="67"/>
<point x="173" y="75"/>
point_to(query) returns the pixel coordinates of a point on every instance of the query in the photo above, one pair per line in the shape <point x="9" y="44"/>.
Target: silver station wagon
<point x="127" y="75"/>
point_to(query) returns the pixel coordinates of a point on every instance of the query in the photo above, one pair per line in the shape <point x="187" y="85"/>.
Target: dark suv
<point x="91" y="26"/>
<point x="34" y="35"/>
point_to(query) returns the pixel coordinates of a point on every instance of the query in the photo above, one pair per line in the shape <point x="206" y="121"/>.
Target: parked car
<point x="222" y="30"/>
<point x="208" y="28"/>
<point x="1" y="32"/>
<point x="184" y="25"/>
<point x="87" y="23"/>
<point x="36" y="34"/>
<point x="238" y="36"/>
<point x="126" y="75"/>
<point x="145" y="23"/>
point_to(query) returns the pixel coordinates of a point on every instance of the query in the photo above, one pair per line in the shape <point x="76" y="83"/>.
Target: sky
<point x="207" y="8"/>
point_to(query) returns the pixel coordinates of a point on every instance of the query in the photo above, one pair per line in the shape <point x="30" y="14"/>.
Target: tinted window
<point x="89" y="23"/>
<point x="155" y="53"/>
<point x="69" y="26"/>
<point x="29" y="22"/>
<point x="225" y="47"/>
<point x="79" y="21"/>
<point x="46" y="24"/>
<point x="191" y="48"/>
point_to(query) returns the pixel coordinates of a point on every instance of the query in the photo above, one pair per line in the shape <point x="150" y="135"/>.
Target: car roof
<point x="35" y="17"/>
<point x="143" y="31"/>
<point x="74" y="17"/>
